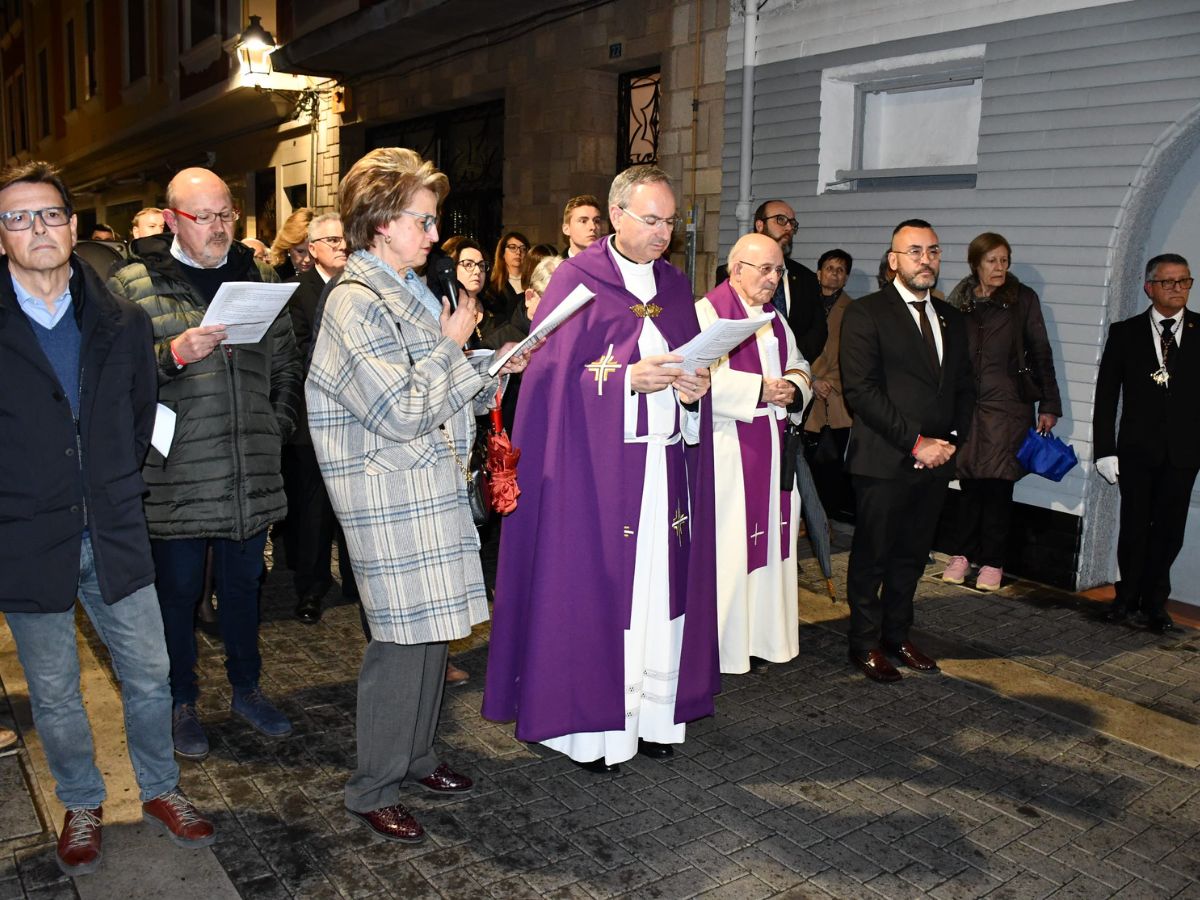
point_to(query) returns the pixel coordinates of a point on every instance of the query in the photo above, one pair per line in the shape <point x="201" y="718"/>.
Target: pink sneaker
<point x="956" y="570"/>
<point x="989" y="579"/>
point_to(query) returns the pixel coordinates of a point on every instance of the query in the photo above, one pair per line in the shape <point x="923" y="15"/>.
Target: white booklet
<point x="716" y="340"/>
<point x="247" y="309"/>
<point x="164" y="429"/>
<point x="571" y="304"/>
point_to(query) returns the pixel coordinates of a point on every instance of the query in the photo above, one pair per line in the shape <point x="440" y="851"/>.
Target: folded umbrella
<point x="502" y="459"/>
<point x="815" y="519"/>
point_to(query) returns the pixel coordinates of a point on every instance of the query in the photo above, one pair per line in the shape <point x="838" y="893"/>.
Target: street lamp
<point x="254" y="48"/>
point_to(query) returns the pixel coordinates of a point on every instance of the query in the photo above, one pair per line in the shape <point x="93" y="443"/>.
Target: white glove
<point x="1107" y="467"/>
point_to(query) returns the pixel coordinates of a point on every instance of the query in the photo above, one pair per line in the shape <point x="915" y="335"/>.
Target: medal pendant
<point x="1161" y="376"/>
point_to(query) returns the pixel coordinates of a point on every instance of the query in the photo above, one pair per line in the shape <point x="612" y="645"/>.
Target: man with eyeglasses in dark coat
<point x="798" y="297"/>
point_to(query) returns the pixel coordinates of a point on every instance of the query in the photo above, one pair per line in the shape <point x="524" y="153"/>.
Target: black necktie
<point x="1168" y="342"/>
<point x="927" y="334"/>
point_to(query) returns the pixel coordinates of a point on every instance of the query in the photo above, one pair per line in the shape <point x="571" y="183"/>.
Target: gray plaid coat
<point x="384" y="390"/>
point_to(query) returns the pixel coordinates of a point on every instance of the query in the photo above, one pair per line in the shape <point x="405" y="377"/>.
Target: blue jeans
<point x="131" y="630"/>
<point x="237" y="567"/>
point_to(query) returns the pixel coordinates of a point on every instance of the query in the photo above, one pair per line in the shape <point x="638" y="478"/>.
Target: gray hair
<point x="539" y="278"/>
<point x="623" y="184"/>
<point x="1163" y="259"/>
<point x="320" y="220"/>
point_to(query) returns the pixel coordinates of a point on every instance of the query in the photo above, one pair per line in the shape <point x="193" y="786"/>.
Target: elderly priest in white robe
<point x="752" y="390"/>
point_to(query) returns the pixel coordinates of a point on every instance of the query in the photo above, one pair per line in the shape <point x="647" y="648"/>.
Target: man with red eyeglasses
<point x="220" y="483"/>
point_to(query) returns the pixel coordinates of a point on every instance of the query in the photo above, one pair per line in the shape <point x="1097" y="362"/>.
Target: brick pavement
<point x="809" y="782"/>
<point x="1055" y="632"/>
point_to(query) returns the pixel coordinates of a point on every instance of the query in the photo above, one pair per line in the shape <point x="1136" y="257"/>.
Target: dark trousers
<point x="895" y="523"/>
<point x="311" y="524"/>
<point x="984" y="516"/>
<point x="399" y="700"/>
<point x="237" y="569"/>
<point x="1154" y="508"/>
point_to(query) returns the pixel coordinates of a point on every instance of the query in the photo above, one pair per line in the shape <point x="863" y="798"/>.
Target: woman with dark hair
<point x="1014" y="369"/>
<point x="392" y="402"/>
<point x="471" y="269"/>
<point x="504" y="287"/>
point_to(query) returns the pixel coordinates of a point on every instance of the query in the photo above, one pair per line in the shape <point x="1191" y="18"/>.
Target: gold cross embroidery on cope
<point x="646" y="310"/>
<point x="602" y="368"/>
<point x="678" y="522"/>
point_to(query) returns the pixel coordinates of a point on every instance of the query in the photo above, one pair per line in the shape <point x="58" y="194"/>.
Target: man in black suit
<point x="798" y="297"/>
<point x="311" y="524"/>
<point x="1153" y="360"/>
<point x="907" y="376"/>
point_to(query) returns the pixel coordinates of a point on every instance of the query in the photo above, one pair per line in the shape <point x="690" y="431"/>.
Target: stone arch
<point x="1126" y="258"/>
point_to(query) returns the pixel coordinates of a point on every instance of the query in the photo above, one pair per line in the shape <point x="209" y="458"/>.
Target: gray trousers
<point x="399" y="699"/>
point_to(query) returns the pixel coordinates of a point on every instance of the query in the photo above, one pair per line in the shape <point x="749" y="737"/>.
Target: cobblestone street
<point x="809" y="781"/>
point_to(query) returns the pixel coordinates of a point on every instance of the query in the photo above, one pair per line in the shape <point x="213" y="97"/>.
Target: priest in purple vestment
<point x="604" y="630"/>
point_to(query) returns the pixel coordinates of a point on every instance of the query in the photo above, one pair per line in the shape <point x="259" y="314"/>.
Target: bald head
<point x="198" y="193"/>
<point x="747" y="260"/>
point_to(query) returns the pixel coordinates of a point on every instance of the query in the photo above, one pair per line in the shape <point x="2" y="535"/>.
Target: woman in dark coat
<point x="995" y="304"/>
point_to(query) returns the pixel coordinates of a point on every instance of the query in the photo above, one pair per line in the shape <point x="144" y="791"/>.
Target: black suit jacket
<point x="806" y="314"/>
<point x="1158" y="425"/>
<point x="302" y="306"/>
<point x="894" y="391"/>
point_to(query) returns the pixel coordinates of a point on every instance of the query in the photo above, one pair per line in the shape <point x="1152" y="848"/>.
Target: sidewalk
<point x="809" y="781"/>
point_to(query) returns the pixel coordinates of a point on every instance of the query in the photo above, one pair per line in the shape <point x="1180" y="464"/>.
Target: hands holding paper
<point x="520" y="361"/>
<point x="655" y="373"/>
<point x="197" y="343"/>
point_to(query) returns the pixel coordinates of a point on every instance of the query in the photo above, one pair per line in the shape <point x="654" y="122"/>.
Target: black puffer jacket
<point x="234" y="409"/>
<point x="1002" y="418"/>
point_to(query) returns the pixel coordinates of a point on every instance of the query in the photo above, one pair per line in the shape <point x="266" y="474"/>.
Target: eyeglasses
<point x="766" y="269"/>
<point x="428" y="220"/>
<point x="516" y="248"/>
<point x="780" y="219"/>
<point x="207" y="218"/>
<point x="915" y="253"/>
<point x="334" y="241"/>
<point x="652" y="221"/>
<point x="1179" y="284"/>
<point x="471" y="265"/>
<point x="22" y="219"/>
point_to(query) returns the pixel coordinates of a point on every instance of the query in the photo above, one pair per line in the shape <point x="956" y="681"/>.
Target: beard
<point x="920" y="281"/>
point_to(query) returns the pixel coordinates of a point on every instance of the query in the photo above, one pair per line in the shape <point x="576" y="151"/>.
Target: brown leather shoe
<point x="444" y="780"/>
<point x="174" y="814"/>
<point x="456" y="676"/>
<point x="392" y="823"/>
<point x="876" y="666"/>
<point x="914" y="658"/>
<point x="79" y="846"/>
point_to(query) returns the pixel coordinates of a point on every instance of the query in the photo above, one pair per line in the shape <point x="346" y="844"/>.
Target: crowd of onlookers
<point x="653" y="546"/>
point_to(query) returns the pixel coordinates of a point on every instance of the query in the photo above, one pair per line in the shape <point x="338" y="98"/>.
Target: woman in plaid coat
<point x="391" y="406"/>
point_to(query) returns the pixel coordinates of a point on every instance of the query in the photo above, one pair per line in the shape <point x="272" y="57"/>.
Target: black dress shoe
<point x="758" y="665"/>
<point x="308" y="610"/>
<point x="912" y="657"/>
<point x="655" y="751"/>
<point x="875" y="666"/>
<point x="1161" y="624"/>
<point x="598" y="766"/>
<point x="1116" y="613"/>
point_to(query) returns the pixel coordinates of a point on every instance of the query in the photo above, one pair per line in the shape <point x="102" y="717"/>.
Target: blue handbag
<point x="1046" y="455"/>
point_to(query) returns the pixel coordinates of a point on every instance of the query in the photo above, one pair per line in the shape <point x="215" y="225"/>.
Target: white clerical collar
<point x="906" y="295"/>
<point x="180" y="254"/>
<point x="638" y="277"/>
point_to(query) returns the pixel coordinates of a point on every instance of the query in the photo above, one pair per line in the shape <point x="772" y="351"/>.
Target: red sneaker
<point x="79" y="842"/>
<point x="174" y="813"/>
